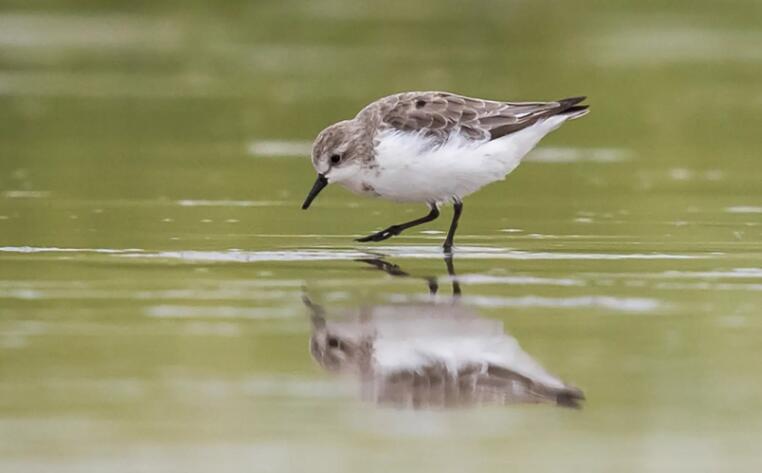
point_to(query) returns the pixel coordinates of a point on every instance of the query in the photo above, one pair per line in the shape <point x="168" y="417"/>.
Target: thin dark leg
<point x="394" y="270"/>
<point x="453" y="276"/>
<point x="399" y="228"/>
<point x="433" y="285"/>
<point x="457" y="209"/>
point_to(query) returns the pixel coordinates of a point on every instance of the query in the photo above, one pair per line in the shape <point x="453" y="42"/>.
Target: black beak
<point x="321" y="182"/>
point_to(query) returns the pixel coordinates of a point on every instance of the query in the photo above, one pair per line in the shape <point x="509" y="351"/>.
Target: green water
<point x="153" y="255"/>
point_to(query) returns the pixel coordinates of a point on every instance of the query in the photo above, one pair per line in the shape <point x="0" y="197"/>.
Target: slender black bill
<point x="321" y="182"/>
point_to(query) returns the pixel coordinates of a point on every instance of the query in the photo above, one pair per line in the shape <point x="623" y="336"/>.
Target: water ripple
<point x="423" y="252"/>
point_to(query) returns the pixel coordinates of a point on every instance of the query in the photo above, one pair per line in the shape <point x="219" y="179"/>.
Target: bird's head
<point x="336" y="156"/>
<point x="334" y="352"/>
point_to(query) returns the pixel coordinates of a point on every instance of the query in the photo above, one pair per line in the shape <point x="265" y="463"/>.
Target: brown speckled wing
<point x="440" y="114"/>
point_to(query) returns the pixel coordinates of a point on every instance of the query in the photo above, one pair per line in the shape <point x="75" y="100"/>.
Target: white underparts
<point x="413" y="168"/>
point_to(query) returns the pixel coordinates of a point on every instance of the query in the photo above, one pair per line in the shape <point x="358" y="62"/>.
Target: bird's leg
<point x="394" y="270"/>
<point x="457" y="209"/>
<point x="453" y="277"/>
<point x="433" y="285"/>
<point x="399" y="228"/>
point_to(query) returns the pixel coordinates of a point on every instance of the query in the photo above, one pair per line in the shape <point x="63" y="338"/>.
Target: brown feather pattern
<point x="440" y="114"/>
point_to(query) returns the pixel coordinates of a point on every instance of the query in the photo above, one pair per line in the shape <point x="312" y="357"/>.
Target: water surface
<point x="153" y="255"/>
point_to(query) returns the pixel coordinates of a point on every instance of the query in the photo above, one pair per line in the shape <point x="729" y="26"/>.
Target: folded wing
<point x="440" y="114"/>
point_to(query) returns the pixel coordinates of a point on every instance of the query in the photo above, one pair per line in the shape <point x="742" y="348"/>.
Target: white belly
<point x="410" y="169"/>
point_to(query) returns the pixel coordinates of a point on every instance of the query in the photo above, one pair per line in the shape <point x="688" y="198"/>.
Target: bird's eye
<point x="335" y="159"/>
<point x="333" y="342"/>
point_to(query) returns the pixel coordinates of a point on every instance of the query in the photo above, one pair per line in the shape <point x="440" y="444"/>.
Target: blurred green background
<point x="153" y="157"/>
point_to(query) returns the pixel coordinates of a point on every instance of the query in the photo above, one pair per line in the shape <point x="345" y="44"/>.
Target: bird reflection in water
<point x="432" y="355"/>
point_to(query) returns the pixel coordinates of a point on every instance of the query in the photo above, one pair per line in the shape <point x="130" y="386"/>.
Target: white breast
<point x="412" y="168"/>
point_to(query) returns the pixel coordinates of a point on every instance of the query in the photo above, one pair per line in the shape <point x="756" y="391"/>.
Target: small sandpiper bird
<point x="432" y="147"/>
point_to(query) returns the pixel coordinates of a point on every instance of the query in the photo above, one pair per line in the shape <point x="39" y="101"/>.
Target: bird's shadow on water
<point x="430" y="355"/>
<point x="392" y="269"/>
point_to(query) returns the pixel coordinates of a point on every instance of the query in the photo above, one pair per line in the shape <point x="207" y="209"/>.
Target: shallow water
<point x="153" y="255"/>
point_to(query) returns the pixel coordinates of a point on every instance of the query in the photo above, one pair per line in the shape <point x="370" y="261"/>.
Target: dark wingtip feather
<point x="543" y="110"/>
<point x="569" y="107"/>
<point x="568" y="102"/>
<point x="571" y="397"/>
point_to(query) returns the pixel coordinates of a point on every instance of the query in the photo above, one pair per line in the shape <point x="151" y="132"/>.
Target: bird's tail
<point x="567" y="396"/>
<point x="570" y="108"/>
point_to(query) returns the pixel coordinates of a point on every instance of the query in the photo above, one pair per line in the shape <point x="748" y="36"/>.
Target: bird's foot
<point x="382" y="235"/>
